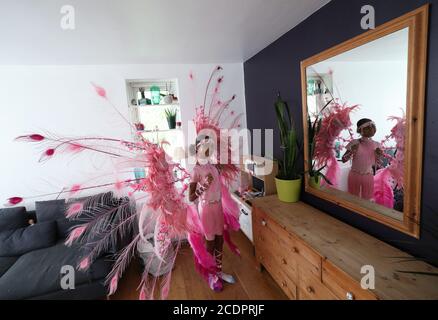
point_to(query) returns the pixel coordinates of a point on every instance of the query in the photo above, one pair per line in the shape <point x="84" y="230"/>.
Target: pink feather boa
<point x="393" y="175"/>
<point x="383" y="193"/>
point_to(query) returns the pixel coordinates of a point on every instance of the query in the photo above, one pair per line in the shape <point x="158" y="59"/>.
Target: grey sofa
<point x="31" y="257"/>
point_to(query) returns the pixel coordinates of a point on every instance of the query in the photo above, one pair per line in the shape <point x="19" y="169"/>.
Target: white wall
<point x="60" y="100"/>
<point x="380" y="88"/>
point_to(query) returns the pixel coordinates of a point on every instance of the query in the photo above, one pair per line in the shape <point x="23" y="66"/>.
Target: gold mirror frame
<point x="417" y="21"/>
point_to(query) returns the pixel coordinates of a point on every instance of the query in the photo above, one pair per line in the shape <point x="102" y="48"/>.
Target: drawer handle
<point x="264" y="223"/>
<point x="284" y="284"/>
<point x="295" y="249"/>
<point x="283" y="261"/>
<point x="260" y="258"/>
<point x="350" y="296"/>
<point x="243" y="211"/>
<point x="310" y="290"/>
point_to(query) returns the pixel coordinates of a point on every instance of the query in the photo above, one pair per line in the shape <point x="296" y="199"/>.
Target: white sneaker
<point x="228" y="278"/>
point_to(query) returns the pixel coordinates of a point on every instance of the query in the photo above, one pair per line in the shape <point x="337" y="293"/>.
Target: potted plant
<point x="315" y="174"/>
<point x="171" y="117"/>
<point x="289" y="180"/>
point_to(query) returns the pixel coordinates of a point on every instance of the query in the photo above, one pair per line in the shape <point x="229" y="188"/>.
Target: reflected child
<point x="364" y="153"/>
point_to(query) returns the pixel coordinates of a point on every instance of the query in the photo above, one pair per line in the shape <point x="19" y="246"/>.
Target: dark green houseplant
<point x="288" y="181"/>
<point x="171" y="117"/>
<point x="315" y="173"/>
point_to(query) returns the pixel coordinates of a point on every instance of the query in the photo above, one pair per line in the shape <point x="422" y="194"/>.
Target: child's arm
<point x="380" y="156"/>
<point x="192" y="191"/>
<point x="196" y="189"/>
<point x="350" y="153"/>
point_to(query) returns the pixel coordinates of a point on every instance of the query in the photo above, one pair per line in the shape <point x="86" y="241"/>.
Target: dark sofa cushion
<point x="54" y="210"/>
<point x="50" y="210"/>
<point x="38" y="273"/>
<point x="64" y="226"/>
<point x="93" y="203"/>
<point x="13" y="218"/>
<point x="6" y="263"/>
<point x="20" y="241"/>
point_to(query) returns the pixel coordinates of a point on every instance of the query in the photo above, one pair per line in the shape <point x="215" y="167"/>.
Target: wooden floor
<point x="187" y="284"/>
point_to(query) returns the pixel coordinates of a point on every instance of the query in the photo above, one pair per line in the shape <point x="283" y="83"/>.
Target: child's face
<point x="203" y="149"/>
<point x="369" y="131"/>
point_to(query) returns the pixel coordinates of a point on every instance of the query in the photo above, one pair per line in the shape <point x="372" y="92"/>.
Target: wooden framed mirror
<point x="363" y="113"/>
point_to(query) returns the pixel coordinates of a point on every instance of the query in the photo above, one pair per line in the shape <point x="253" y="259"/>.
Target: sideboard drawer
<point x="263" y="222"/>
<point x="294" y="248"/>
<point x="310" y="287"/>
<point x="305" y="255"/>
<point x="284" y="275"/>
<point x="342" y="285"/>
<point x="268" y="244"/>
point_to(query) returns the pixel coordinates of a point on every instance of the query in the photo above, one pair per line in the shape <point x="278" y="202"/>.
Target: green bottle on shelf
<point x="155" y="95"/>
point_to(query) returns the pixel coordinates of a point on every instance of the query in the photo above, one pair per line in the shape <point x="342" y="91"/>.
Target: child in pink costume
<point x="364" y="153"/>
<point x="205" y="187"/>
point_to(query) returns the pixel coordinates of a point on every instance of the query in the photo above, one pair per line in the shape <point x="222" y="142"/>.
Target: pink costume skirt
<point x="361" y="185"/>
<point x="212" y="219"/>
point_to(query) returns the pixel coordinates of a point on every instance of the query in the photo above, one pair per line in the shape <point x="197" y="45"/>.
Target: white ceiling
<point x="145" y="31"/>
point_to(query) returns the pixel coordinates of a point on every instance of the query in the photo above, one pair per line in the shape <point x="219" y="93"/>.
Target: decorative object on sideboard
<point x="257" y="179"/>
<point x="288" y="180"/>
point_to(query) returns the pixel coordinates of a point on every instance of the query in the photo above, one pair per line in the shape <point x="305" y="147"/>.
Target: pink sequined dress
<point x="361" y="176"/>
<point x="210" y="202"/>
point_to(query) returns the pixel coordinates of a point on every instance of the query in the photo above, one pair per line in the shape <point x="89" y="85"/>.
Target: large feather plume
<point x="335" y="120"/>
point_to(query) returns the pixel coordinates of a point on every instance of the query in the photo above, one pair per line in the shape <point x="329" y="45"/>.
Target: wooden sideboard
<point x="312" y="255"/>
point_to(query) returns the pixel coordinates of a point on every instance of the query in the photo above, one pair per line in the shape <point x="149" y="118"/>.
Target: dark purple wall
<point x="277" y="68"/>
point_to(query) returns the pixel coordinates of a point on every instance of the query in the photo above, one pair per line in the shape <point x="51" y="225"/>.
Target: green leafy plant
<point x="171" y="117"/>
<point x="313" y="131"/>
<point x="289" y="142"/>
<point x="170" y="113"/>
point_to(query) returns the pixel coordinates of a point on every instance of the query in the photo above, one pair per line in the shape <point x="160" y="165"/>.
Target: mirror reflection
<point x="356" y="104"/>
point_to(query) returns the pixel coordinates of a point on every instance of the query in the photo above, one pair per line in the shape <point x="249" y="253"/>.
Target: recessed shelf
<point x="154" y="131"/>
<point x="156" y="105"/>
